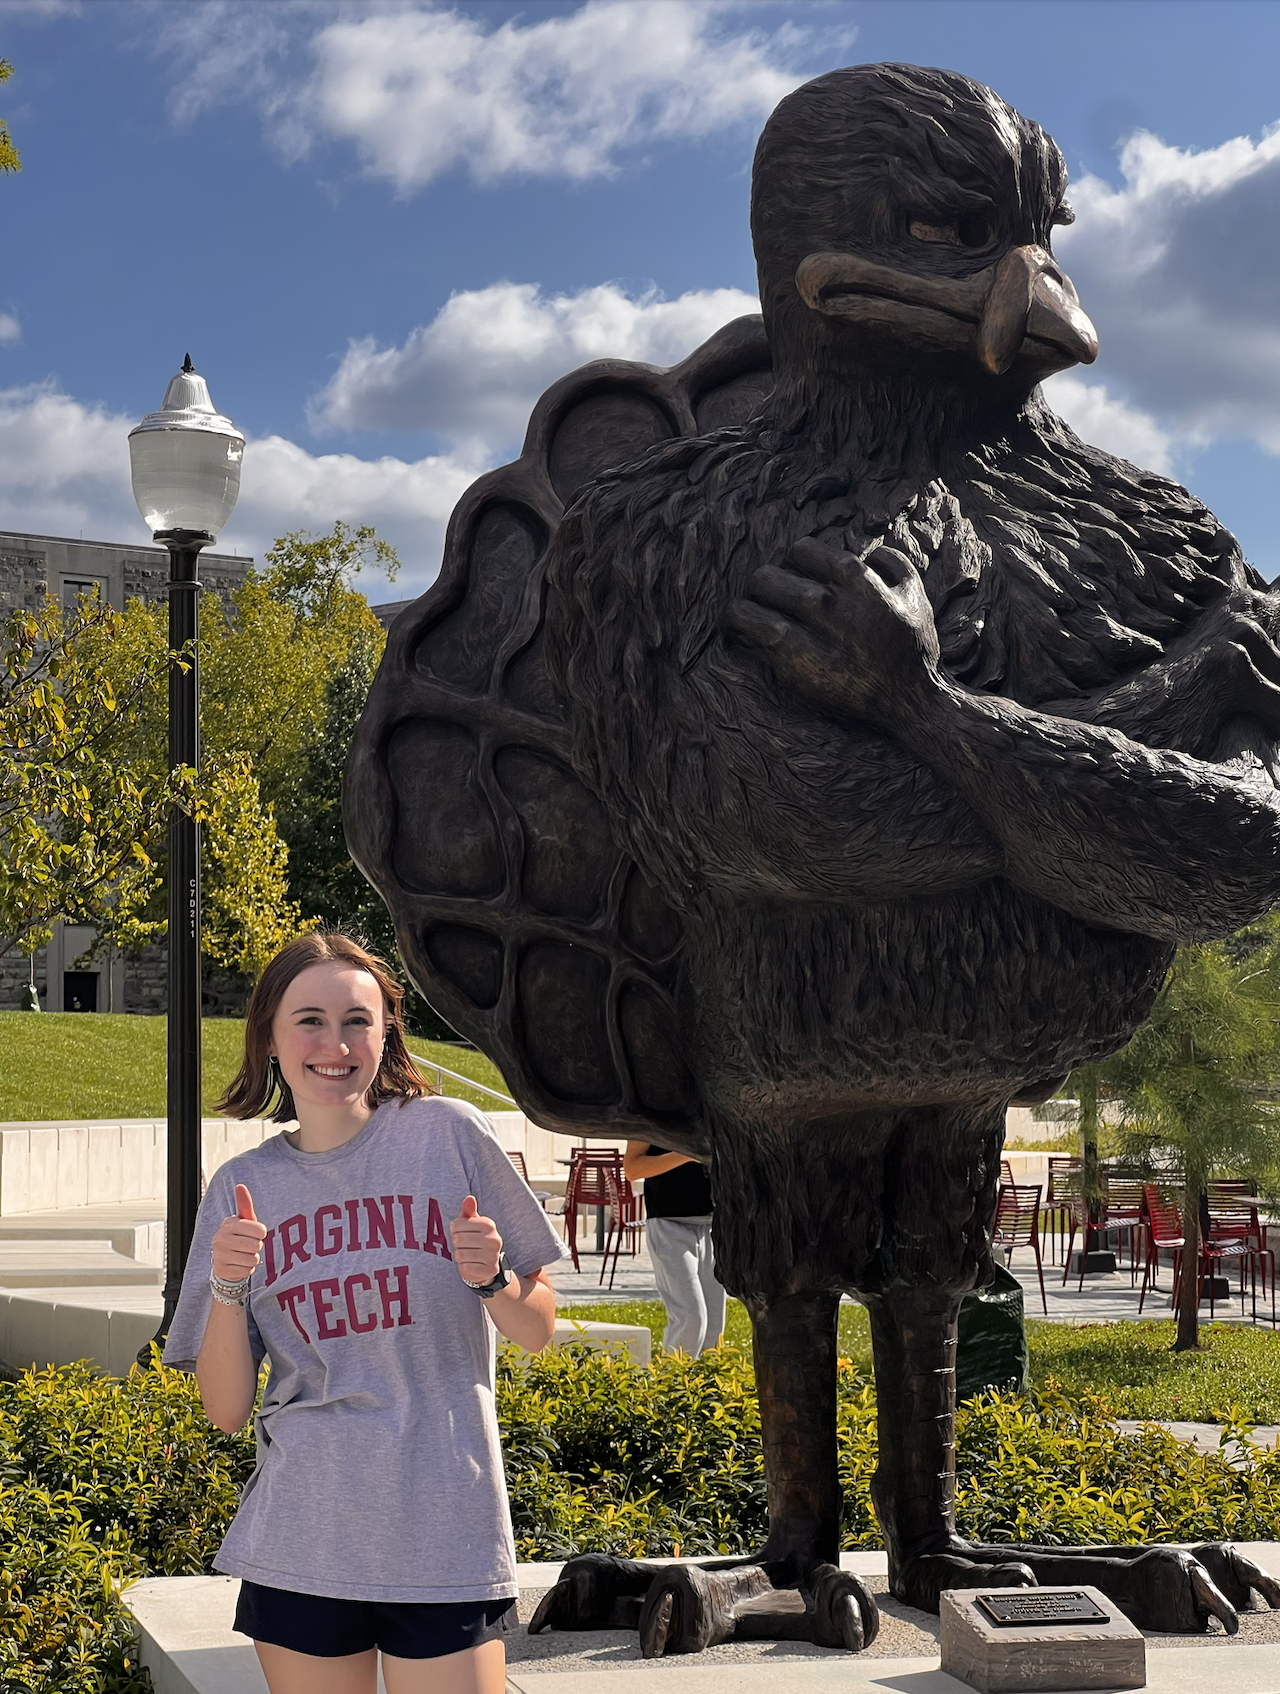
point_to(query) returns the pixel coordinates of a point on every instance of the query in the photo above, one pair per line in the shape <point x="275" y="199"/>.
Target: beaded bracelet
<point x="229" y="1293"/>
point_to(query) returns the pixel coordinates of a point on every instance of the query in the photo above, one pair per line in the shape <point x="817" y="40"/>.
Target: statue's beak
<point x="1023" y="308"/>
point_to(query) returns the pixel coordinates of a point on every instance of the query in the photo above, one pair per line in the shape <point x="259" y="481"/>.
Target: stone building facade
<point x="33" y="568"/>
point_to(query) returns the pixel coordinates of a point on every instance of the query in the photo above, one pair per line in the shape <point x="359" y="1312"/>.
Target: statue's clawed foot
<point x="1167" y="1589"/>
<point x="684" y="1608"/>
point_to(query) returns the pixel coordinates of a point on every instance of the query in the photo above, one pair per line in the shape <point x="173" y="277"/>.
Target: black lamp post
<point x="185" y="460"/>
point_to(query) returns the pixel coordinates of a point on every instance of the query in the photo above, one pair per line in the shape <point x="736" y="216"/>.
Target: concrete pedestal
<point x="1041" y="1655"/>
<point x="1100" y="1262"/>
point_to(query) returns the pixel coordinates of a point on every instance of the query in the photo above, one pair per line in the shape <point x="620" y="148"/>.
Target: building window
<point x="77" y="588"/>
<point x="80" y="991"/>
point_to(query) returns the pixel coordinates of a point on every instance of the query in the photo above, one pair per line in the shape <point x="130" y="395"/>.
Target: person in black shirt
<point x="678" y="1207"/>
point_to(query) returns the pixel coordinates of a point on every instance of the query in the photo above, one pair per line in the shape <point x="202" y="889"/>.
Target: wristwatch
<point x="487" y="1290"/>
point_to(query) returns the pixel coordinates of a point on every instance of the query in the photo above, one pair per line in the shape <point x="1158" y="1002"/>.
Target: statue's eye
<point x="946" y="235"/>
<point x="974" y="229"/>
<point x="971" y="229"/>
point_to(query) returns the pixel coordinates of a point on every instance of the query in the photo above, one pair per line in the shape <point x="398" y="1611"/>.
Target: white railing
<point x="467" y="1081"/>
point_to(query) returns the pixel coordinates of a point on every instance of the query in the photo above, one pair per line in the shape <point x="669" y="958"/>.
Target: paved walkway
<point x="1104" y="1298"/>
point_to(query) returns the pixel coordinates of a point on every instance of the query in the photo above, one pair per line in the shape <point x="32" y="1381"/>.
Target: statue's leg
<point x="794" y="1588"/>
<point x="797" y="1214"/>
<point x="930" y="1253"/>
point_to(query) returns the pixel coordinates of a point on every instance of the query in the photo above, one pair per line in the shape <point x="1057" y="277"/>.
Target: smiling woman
<point x="372" y="1352"/>
<point x="344" y="1052"/>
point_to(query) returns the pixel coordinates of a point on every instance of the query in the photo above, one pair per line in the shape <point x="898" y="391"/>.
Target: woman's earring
<point x="275" y="1072"/>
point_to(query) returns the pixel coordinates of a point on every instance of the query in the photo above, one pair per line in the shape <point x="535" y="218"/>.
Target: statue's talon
<point x="1236" y="1575"/>
<point x="845" y="1613"/>
<point x="683" y="1608"/>
<point x="1163" y="1589"/>
<point x="847" y="1617"/>
<point x="655" y="1625"/>
<point x="925" y="1578"/>
<point x="595" y="1592"/>
<point x="1211" y="1600"/>
<point x="688" y="1607"/>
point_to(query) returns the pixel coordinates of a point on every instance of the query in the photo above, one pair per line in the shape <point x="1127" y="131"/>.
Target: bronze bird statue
<point x="806" y="752"/>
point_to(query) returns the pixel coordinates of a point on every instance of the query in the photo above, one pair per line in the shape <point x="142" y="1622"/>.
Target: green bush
<point x="605" y="1456"/>
<point x="1053" y="1468"/>
<point x="102" y="1480"/>
<point x="60" y="1625"/>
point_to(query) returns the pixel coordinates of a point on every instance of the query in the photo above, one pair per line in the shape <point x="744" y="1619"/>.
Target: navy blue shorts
<point x="333" y="1629"/>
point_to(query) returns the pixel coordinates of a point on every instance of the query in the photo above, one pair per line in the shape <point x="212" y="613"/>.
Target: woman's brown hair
<point x="257" y="1081"/>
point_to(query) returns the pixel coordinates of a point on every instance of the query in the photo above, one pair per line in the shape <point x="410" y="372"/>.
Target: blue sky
<point x="383" y="229"/>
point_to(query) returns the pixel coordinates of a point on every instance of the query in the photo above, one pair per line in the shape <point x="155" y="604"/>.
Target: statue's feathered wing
<point x="516" y="913"/>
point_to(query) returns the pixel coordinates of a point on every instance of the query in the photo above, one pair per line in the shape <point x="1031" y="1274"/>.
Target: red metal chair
<point x="1064" y="1180"/>
<point x="586" y="1187"/>
<point x="1235" y="1233"/>
<point x="626" y="1219"/>
<point x="1018" y="1225"/>
<point x="541" y="1195"/>
<point x="1163" y="1223"/>
<point x="1123" y="1210"/>
<point x="1081" y="1214"/>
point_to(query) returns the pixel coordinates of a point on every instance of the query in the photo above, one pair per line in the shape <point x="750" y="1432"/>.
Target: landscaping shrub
<point x="101" y="1481"/>
<point x="60" y="1626"/>
<point x="605" y="1456"/>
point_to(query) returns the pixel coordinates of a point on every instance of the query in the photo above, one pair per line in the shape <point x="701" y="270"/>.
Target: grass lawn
<point x="105" y="1065"/>
<point x="1132" y="1365"/>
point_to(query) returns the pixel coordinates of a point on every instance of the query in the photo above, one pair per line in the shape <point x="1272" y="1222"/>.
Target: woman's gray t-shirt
<point x="379" y="1473"/>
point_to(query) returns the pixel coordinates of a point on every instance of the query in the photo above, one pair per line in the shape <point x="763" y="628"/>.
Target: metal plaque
<point x="1038" y="1607"/>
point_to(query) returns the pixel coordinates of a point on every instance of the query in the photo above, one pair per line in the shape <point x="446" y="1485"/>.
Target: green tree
<point x="247" y="913"/>
<point x="286" y="665"/>
<point x="10" y="158"/>
<point x="80" y="817"/>
<point x="268" y="655"/>
<point x="323" y="877"/>
<point x="1195" y="1089"/>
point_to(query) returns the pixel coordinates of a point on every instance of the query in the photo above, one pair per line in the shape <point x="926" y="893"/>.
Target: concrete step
<point x="72" y="1263"/>
<point x="107" y="1322"/>
<point x="136" y="1230"/>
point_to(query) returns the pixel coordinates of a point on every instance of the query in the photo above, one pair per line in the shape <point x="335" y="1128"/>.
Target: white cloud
<point x="38" y="11"/>
<point x="64" y="466"/>
<point x="471" y="376"/>
<point x="420" y="90"/>
<point x="1178" y="269"/>
<point x="64" y="470"/>
<point x="1109" y="423"/>
<point x="10" y="328"/>
<point x="284" y="487"/>
<point x="474" y="372"/>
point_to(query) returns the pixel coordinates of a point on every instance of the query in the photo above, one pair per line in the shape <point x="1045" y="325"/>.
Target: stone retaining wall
<point x="46" y="1167"/>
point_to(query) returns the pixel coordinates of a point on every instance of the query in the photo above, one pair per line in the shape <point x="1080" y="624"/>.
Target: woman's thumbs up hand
<point x="237" y="1246"/>
<point x="477" y="1246"/>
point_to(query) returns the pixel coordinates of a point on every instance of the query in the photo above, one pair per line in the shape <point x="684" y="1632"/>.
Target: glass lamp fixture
<point x="185" y="461"/>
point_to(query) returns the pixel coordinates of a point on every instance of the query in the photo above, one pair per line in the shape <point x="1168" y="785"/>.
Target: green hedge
<point x="604" y="1456"/>
<point x="103" y="1480"/>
